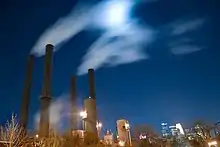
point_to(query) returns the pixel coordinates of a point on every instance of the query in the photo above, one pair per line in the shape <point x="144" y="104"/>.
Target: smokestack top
<point x="91" y="69"/>
<point x="31" y="56"/>
<point x="49" y="46"/>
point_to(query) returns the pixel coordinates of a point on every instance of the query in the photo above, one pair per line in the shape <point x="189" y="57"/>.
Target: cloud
<point x="59" y="110"/>
<point x="183" y="26"/>
<point x="63" y="30"/>
<point x="185" y="49"/>
<point x="128" y="47"/>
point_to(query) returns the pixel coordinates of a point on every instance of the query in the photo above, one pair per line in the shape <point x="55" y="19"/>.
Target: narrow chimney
<point x="91" y="83"/>
<point x="26" y="93"/>
<point x="46" y="93"/>
<point x="73" y="104"/>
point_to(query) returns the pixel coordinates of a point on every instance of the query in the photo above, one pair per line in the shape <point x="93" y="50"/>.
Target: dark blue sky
<point x="166" y="87"/>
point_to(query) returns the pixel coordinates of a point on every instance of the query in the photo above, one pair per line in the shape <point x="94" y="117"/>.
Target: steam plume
<point x="67" y="27"/>
<point x="58" y="113"/>
<point x="127" y="48"/>
<point x="63" y="30"/>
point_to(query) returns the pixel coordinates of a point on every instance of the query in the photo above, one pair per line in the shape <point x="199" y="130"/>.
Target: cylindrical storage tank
<point x="91" y="120"/>
<point x="123" y="133"/>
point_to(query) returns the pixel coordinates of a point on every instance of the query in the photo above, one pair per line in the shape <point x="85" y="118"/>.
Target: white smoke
<point x="128" y="47"/>
<point x="184" y="26"/>
<point x="64" y="29"/>
<point x="59" y="113"/>
<point x="185" y="49"/>
<point x="81" y="17"/>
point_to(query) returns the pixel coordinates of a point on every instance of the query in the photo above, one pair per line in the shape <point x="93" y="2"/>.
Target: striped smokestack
<point x="73" y="103"/>
<point x="26" y="93"/>
<point x="46" y="93"/>
<point x="91" y="83"/>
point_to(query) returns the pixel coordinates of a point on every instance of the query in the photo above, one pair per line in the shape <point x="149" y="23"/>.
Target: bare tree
<point x="146" y="130"/>
<point x="148" y="137"/>
<point x="54" y="140"/>
<point x="12" y="134"/>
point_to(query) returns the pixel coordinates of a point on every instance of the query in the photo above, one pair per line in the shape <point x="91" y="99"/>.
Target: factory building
<point x="90" y="121"/>
<point x="123" y="130"/>
<point x="109" y="138"/>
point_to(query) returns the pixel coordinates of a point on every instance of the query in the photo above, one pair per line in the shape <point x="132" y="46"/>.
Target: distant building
<point x="108" y="138"/>
<point x="165" y="130"/>
<point x="174" y="131"/>
<point x="180" y="128"/>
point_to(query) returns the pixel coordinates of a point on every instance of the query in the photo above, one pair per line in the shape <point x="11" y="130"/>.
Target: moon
<point x="113" y="14"/>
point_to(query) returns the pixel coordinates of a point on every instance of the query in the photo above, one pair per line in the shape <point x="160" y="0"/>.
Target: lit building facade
<point x="165" y="130"/>
<point x="172" y="131"/>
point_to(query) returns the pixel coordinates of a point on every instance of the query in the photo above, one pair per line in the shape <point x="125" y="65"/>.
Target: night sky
<point x="175" y="84"/>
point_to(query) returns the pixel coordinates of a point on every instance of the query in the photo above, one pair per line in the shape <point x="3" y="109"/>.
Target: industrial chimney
<point x="26" y="93"/>
<point x="90" y="105"/>
<point x="73" y="104"/>
<point x="91" y="75"/>
<point x="46" y="93"/>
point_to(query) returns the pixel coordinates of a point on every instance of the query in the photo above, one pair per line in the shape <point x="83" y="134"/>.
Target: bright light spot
<point x="36" y="135"/>
<point x="142" y="137"/>
<point x="127" y="126"/>
<point x="121" y="143"/>
<point x="83" y="114"/>
<point x="98" y="125"/>
<point x="212" y="143"/>
<point x="179" y="126"/>
<point x="114" y="13"/>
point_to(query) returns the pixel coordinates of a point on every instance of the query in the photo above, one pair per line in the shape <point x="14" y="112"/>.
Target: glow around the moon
<point x="113" y="13"/>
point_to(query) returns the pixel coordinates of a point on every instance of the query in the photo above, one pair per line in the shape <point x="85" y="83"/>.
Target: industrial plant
<point x="91" y="125"/>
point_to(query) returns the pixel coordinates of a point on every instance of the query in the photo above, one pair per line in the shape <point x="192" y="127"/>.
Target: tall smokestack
<point x="92" y="83"/>
<point x="73" y="101"/>
<point x="26" y="93"/>
<point x="90" y="106"/>
<point x="46" y="92"/>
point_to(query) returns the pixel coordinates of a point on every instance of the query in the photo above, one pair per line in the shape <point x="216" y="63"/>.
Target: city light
<point x="99" y="125"/>
<point x="83" y="114"/>
<point x="121" y="143"/>
<point x="212" y="143"/>
<point x="127" y="126"/>
<point x="142" y="137"/>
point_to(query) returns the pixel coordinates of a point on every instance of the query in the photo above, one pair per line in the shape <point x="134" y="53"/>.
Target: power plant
<point x="46" y="97"/>
<point x="90" y="121"/>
